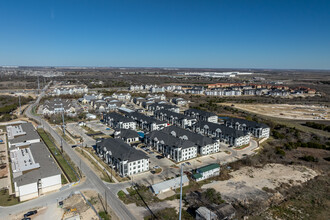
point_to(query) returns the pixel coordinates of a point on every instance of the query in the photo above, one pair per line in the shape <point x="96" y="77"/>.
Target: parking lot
<point x="76" y="130"/>
<point x="98" y="126"/>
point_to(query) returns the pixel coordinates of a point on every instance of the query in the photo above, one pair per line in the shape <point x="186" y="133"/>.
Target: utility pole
<point x="19" y="100"/>
<point x="180" y="210"/>
<point x="61" y="146"/>
<point x="106" y="203"/>
<point x="63" y="119"/>
<point x="38" y="85"/>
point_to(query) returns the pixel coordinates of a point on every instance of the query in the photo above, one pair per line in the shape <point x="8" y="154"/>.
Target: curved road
<point x="96" y="183"/>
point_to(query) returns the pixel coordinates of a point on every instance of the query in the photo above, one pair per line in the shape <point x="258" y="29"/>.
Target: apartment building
<point x="205" y="144"/>
<point x="147" y="123"/>
<point x="174" y="118"/>
<point x="201" y="115"/>
<point x="124" y="159"/>
<point x="170" y="146"/>
<point x="258" y="130"/>
<point x="225" y="134"/>
<point x="118" y="121"/>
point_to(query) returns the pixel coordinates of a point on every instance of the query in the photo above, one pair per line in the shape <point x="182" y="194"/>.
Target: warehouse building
<point x="34" y="170"/>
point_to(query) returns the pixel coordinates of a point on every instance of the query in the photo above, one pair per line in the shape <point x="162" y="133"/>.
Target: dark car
<point x="159" y="157"/>
<point x="26" y="218"/>
<point x="30" y="213"/>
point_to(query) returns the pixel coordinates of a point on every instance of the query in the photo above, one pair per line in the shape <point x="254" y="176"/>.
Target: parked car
<point x="26" y="218"/>
<point x="156" y="167"/>
<point x="188" y="163"/>
<point x="30" y="213"/>
<point x="159" y="157"/>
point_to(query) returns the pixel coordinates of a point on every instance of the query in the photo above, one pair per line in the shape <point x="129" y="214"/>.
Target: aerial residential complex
<point x="34" y="170"/>
<point x="123" y="158"/>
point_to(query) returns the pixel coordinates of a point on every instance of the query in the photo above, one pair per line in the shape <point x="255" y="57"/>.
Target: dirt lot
<point x="300" y="112"/>
<point x="249" y="185"/>
<point x="141" y="211"/>
<point x="98" y="204"/>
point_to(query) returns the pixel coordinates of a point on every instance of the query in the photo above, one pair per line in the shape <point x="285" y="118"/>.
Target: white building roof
<point x="169" y="184"/>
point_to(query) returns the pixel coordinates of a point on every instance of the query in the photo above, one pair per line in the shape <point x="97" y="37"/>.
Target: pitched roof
<point x="252" y="124"/>
<point x="208" y="167"/>
<point x="198" y="139"/>
<point x="223" y="128"/>
<point x="170" y="140"/>
<point x="199" y="112"/>
<point x="173" y="114"/>
<point x="139" y="116"/>
<point x="120" y="150"/>
<point x="118" y="117"/>
<point x="126" y="133"/>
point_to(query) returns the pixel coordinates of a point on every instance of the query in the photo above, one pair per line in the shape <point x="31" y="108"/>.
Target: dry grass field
<point x="286" y="111"/>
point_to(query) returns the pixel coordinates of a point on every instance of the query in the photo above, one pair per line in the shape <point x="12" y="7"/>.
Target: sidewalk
<point x="100" y="165"/>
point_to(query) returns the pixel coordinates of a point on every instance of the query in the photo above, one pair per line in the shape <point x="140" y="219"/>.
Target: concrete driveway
<point x="98" y="126"/>
<point x="76" y="130"/>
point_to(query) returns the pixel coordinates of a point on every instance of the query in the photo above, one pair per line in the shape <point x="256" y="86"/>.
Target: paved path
<point x="100" y="165"/>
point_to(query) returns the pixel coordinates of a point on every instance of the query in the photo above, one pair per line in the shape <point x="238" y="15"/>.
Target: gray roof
<point x="252" y="124"/>
<point x="206" y="213"/>
<point x="162" y="106"/>
<point x="31" y="134"/>
<point x="199" y="112"/>
<point x="118" y="117"/>
<point x="169" y="184"/>
<point x="126" y="133"/>
<point x="173" y="114"/>
<point x="198" y="139"/>
<point x="142" y="117"/>
<point x="47" y="167"/>
<point x="58" y="103"/>
<point x="121" y="150"/>
<point x="224" y="129"/>
<point x="170" y="140"/>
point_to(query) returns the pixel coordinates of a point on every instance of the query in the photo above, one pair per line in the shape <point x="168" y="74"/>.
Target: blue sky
<point x="155" y="33"/>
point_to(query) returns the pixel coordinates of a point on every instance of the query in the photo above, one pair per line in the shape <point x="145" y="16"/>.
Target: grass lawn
<point x="63" y="179"/>
<point x="59" y="156"/>
<point x="6" y="199"/>
<point x="104" y="175"/>
<point x="65" y="137"/>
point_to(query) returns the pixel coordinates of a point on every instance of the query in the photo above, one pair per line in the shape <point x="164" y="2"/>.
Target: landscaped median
<point x="62" y="159"/>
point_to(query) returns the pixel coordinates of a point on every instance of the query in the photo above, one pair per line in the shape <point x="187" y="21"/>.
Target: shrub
<point x="280" y="151"/>
<point x="309" y="158"/>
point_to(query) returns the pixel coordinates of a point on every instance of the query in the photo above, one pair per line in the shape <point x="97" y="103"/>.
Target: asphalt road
<point x="97" y="184"/>
<point x="41" y="201"/>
